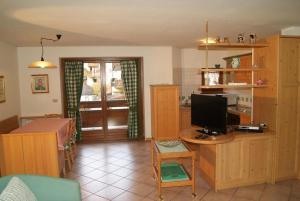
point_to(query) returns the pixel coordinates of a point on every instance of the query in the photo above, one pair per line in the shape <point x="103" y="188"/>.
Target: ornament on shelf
<point x="241" y="38"/>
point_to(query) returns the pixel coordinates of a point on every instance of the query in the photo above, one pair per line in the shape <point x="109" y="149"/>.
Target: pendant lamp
<point x="42" y="63"/>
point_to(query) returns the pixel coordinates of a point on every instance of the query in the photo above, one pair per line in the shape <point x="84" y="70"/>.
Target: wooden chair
<point x="73" y="134"/>
<point x="70" y="148"/>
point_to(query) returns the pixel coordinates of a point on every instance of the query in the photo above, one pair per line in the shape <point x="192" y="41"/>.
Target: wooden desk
<point x="189" y="135"/>
<point x="234" y="160"/>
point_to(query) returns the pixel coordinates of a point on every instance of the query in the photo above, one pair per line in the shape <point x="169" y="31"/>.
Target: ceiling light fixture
<point x="42" y="63"/>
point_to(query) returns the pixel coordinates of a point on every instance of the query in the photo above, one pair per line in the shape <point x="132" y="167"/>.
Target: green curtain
<point x="130" y="81"/>
<point x="73" y="88"/>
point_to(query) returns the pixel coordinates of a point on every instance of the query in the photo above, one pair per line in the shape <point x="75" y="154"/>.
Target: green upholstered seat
<point x="48" y="188"/>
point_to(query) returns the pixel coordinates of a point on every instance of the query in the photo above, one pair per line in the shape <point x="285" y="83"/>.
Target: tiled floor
<point x="121" y="171"/>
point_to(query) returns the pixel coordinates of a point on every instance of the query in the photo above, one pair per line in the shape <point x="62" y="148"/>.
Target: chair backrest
<point x="53" y="116"/>
<point x="72" y="127"/>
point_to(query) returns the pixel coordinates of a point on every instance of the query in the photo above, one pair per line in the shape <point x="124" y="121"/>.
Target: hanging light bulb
<point x="42" y="63"/>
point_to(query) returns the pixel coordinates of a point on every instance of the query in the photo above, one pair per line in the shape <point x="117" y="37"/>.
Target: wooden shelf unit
<point x="224" y="46"/>
<point x="226" y="86"/>
<point x="248" y="69"/>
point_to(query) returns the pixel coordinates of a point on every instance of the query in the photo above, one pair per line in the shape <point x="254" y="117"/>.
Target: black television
<point x="210" y="113"/>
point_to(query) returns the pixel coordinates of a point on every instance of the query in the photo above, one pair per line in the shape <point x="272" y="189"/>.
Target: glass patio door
<point x="104" y="110"/>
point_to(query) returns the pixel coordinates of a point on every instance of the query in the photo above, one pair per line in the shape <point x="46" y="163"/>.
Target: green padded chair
<point x="48" y="188"/>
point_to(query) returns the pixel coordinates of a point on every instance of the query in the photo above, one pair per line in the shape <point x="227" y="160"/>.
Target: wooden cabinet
<point x="185" y="118"/>
<point x="29" y="153"/>
<point x="165" y="126"/>
<point x="165" y="111"/>
<point x="279" y="105"/>
<point x="247" y="160"/>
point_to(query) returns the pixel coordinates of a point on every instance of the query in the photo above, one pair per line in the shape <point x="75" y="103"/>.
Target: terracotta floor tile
<point x="121" y="162"/>
<point x="167" y="195"/>
<point x="122" y="171"/>
<point x="82" y="170"/>
<point x="214" y="196"/>
<point x="127" y="196"/>
<point x="94" y="186"/>
<point x="96" y="164"/>
<point x="110" y="192"/>
<point x="251" y="192"/>
<point x="240" y="199"/>
<point x="109" y="168"/>
<point x="83" y="180"/>
<point x="110" y="179"/>
<point x="294" y="199"/>
<point x="84" y="160"/>
<point x="276" y="192"/>
<point x="96" y="174"/>
<point x="141" y="189"/>
<point x="125" y="183"/>
<point x="94" y="198"/>
<point x="296" y="189"/>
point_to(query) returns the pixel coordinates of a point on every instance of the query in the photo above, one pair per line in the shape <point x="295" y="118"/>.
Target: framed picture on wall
<point x="2" y="89"/>
<point x="39" y="83"/>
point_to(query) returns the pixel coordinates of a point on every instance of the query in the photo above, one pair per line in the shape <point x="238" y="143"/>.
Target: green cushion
<point x="48" y="188"/>
<point x="17" y="190"/>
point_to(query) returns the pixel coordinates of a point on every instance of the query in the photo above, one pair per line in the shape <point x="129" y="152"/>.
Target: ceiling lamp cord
<point x="58" y="36"/>
<point x="42" y="63"/>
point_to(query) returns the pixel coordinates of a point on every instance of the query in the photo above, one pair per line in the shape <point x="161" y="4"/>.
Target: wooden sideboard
<point x="227" y="162"/>
<point x="30" y="153"/>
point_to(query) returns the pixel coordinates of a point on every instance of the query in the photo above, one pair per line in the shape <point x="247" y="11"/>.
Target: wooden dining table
<point x="58" y="125"/>
<point x="35" y="148"/>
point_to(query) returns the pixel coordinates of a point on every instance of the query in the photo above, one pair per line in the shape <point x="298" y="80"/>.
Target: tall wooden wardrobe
<point x="165" y="111"/>
<point x="279" y="104"/>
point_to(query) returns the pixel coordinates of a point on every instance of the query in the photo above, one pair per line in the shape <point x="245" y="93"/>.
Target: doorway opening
<point x="103" y="105"/>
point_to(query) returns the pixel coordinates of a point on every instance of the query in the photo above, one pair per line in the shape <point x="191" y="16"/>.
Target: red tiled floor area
<point x="121" y="171"/>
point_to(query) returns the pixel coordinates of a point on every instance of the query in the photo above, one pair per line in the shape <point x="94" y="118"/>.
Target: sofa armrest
<point x="49" y="188"/>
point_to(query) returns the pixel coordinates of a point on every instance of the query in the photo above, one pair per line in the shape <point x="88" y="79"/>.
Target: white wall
<point x="157" y="70"/>
<point x="9" y="69"/>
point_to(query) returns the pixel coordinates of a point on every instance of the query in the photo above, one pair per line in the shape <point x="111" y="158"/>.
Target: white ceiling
<point x="178" y="23"/>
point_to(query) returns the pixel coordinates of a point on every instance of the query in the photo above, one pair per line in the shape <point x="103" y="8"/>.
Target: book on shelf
<point x="173" y="172"/>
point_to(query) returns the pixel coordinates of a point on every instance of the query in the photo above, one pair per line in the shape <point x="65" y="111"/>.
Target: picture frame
<point x="2" y="89"/>
<point x="39" y="83"/>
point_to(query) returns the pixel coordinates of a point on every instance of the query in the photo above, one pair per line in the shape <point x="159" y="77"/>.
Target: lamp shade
<point x="42" y="64"/>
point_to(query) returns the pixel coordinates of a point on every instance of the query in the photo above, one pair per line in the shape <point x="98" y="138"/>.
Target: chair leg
<point x="68" y="159"/>
<point x="71" y="154"/>
<point x="74" y="147"/>
<point x="64" y="172"/>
